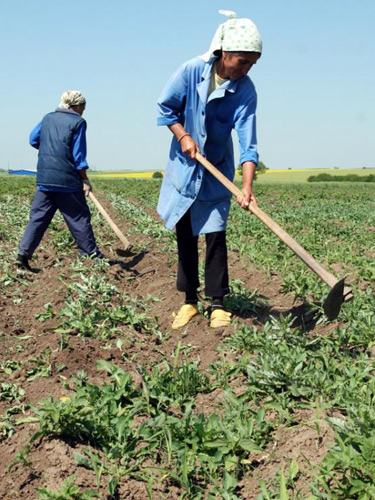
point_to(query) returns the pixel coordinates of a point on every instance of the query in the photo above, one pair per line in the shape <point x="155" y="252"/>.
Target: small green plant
<point x="67" y="492"/>
<point x="10" y="392"/>
<point x="9" y="366"/>
<point x="40" y="366"/>
<point x="7" y="427"/>
<point x="243" y="301"/>
<point x="47" y="314"/>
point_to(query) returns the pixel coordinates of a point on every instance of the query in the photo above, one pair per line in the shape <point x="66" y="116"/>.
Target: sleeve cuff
<point x="163" y="120"/>
<point x="83" y="166"/>
<point x="250" y="156"/>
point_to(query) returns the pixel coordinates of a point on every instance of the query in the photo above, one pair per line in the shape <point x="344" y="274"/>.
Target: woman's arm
<point x="34" y="138"/>
<point x="248" y="171"/>
<point x="188" y="145"/>
<point x="245" y="126"/>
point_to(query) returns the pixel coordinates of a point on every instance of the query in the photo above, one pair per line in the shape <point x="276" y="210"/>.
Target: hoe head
<point x="338" y="294"/>
<point x="128" y="252"/>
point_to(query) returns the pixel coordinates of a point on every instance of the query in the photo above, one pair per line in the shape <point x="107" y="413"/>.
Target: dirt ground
<point x="143" y="273"/>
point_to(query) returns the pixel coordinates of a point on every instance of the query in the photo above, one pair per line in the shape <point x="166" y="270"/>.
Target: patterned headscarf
<point x="71" y="98"/>
<point x="235" y="35"/>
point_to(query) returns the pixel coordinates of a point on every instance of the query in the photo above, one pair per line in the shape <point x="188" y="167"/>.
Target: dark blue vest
<point x="56" y="167"/>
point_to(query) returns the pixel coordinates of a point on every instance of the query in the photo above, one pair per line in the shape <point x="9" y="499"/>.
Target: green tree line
<point x="341" y="178"/>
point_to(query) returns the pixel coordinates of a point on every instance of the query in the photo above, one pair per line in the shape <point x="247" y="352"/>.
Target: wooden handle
<point x="115" y="228"/>
<point x="323" y="274"/>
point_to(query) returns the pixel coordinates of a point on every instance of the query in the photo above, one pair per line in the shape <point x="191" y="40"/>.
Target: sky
<point x="315" y="80"/>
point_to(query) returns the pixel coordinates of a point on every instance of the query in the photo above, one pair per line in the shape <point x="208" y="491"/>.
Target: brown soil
<point x="143" y="273"/>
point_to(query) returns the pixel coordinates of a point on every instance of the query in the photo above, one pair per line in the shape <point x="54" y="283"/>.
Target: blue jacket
<point x="56" y="168"/>
<point x="209" y="121"/>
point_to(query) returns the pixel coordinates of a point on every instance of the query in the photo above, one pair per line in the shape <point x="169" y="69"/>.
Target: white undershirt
<point x="215" y="81"/>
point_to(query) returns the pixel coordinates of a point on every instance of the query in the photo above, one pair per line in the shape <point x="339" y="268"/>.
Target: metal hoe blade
<point x="334" y="300"/>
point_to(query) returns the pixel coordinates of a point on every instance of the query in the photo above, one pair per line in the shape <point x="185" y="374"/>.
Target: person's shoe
<point x="220" y="318"/>
<point x="184" y="315"/>
<point x="22" y="262"/>
<point x="96" y="255"/>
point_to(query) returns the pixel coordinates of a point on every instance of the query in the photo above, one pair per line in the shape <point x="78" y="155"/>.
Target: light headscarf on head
<point x="235" y="35"/>
<point x="71" y="98"/>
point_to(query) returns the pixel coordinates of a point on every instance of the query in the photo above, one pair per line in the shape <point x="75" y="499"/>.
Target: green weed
<point x="67" y="492"/>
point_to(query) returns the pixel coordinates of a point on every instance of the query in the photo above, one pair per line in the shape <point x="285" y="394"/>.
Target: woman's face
<point x="236" y="65"/>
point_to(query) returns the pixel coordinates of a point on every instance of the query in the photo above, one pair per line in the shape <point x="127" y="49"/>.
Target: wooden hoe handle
<point x="115" y="228"/>
<point x="319" y="270"/>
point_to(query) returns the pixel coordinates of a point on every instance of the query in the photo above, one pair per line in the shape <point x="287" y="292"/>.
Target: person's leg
<point x="187" y="274"/>
<point x="76" y="213"/>
<point x="187" y="243"/>
<point x="216" y="277"/>
<point x="216" y="265"/>
<point x="41" y="213"/>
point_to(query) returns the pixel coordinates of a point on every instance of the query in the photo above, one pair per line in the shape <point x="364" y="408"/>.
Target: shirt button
<point x="203" y="113"/>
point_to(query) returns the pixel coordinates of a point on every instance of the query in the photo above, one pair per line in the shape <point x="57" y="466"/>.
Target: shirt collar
<point x="66" y="110"/>
<point x="230" y="85"/>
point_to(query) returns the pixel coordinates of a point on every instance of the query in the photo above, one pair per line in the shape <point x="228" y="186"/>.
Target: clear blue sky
<point x="315" y="80"/>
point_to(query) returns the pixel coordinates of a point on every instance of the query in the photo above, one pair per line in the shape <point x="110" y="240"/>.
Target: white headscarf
<point x="71" y="98"/>
<point x="235" y="35"/>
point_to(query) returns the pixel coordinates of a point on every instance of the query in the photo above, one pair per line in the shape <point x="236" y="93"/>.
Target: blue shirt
<point x="210" y="121"/>
<point x="79" y="151"/>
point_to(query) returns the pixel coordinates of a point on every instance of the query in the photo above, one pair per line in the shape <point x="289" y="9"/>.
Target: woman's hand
<point x="87" y="187"/>
<point x="247" y="197"/>
<point x="189" y="146"/>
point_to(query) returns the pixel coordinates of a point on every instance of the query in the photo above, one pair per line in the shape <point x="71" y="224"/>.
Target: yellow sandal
<point x="220" y="318"/>
<point x="184" y="315"/>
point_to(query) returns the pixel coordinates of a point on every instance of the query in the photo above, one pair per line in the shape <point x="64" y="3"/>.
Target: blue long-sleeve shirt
<point x="209" y="119"/>
<point x="79" y="152"/>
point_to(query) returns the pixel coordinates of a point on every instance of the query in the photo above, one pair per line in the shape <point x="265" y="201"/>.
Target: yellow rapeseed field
<point x="277" y="171"/>
<point x="124" y="175"/>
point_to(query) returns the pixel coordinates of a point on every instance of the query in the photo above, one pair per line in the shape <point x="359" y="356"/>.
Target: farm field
<point x="99" y="398"/>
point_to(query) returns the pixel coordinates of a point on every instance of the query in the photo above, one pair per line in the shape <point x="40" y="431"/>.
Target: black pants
<point x="216" y="264"/>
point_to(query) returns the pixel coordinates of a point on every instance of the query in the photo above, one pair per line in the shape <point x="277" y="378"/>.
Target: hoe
<point x="115" y="228"/>
<point x="339" y="292"/>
